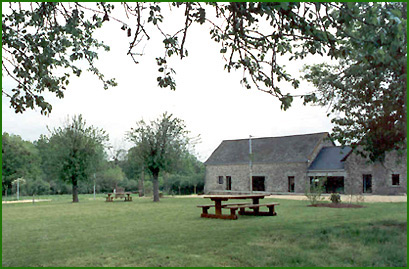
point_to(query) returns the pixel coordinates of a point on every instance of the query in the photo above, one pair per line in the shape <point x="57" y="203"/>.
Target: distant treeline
<point x="27" y="162"/>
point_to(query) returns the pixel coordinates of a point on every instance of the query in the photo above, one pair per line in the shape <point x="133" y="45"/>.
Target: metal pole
<point x="18" y="188"/>
<point x="250" y="165"/>
<point x="94" y="186"/>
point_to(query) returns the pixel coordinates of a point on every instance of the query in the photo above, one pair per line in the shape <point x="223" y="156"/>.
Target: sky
<point x="211" y="101"/>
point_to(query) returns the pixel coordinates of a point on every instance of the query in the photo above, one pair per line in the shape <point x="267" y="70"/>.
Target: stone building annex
<point x="288" y="164"/>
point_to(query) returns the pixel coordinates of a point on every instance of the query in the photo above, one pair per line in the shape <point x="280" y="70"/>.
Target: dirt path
<point x="345" y="198"/>
<point x="26" y="201"/>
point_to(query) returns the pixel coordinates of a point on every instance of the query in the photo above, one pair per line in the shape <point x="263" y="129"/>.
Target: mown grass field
<point x="171" y="233"/>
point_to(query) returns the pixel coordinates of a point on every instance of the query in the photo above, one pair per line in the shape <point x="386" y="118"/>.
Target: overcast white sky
<point x="211" y="101"/>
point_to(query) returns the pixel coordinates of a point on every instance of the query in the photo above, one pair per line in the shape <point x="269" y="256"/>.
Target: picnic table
<point x="255" y="206"/>
<point x="116" y="195"/>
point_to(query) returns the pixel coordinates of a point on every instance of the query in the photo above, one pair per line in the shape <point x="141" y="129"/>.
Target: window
<point x="334" y="185"/>
<point x="228" y="183"/>
<point x="220" y="179"/>
<point x="258" y="183"/>
<point x="291" y="184"/>
<point x="367" y="183"/>
<point x="395" y="179"/>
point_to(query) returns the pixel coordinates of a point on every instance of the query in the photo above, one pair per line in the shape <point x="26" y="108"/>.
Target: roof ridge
<point x="240" y="139"/>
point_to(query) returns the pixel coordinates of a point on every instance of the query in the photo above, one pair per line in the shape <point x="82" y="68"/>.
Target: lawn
<point x="171" y="233"/>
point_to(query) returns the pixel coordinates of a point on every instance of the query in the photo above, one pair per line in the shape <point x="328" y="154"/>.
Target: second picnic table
<point x="111" y="196"/>
<point x="255" y="206"/>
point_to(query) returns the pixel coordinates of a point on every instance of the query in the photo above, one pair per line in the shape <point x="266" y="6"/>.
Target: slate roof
<point x="330" y="158"/>
<point x="285" y="149"/>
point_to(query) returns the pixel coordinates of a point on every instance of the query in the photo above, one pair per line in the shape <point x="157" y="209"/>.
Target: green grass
<point x="171" y="233"/>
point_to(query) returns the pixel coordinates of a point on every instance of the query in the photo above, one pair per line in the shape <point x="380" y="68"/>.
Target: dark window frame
<point x="291" y="187"/>
<point x="366" y="177"/>
<point x="228" y="183"/>
<point x="220" y="179"/>
<point x="258" y="182"/>
<point x="395" y="180"/>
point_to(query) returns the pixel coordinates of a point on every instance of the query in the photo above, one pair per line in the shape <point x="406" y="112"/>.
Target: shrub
<point x="335" y="198"/>
<point x="60" y="187"/>
<point x="129" y="184"/>
<point x="314" y="190"/>
<point x="148" y="188"/>
<point x="85" y="187"/>
<point x="36" y="187"/>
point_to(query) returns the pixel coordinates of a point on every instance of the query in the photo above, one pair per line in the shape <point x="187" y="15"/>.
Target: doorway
<point x="228" y="183"/>
<point x="258" y="183"/>
<point x="367" y="183"/>
<point x="291" y="184"/>
<point x="334" y="185"/>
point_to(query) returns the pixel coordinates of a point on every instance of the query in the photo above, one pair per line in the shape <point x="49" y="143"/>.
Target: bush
<point x="335" y="198"/>
<point x="85" y="187"/>
<point x="314" y="190"/>
<point x="60" y="187"/>
<point x="148" y="188"/>
<point x="36" y="187"/>
<point x="129" y="184"/>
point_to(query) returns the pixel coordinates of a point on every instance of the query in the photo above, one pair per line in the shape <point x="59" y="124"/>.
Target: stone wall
<point x="356" y="166"/>
<point x="276" y="176"/>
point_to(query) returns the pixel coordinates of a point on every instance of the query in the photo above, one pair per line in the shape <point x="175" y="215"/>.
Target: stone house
<point x="289" y="164"/>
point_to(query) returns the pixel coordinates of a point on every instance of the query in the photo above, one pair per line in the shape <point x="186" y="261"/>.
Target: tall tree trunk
<point x="74" y="190"/>
<point x="195" y="189"/>
<point x="140" y="184"/>
<point x="179" y="189"/>
<point x="155" y="186"/>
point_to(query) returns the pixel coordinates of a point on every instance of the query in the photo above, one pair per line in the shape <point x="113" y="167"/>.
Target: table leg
<point x="218" y="207"/>
<point x="233" y="213"/>
<point x="256" y="210"/>
<point x="271" y="211"/>
<point x="205" y="210"/>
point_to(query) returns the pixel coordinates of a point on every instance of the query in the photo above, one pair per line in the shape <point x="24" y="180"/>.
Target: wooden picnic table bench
<point x="206" y="207"/>
<point x="119" y="195"/>
<point x="256" y="209"/>
<point x="235" y="206"/>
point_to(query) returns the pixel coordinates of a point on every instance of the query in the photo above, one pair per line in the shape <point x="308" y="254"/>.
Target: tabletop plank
<point x="232" y="196"/>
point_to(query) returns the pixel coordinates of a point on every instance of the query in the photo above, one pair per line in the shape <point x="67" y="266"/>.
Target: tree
<point x="77" y="151"/>
<point x="161" y="143"/>
<point x="190" y="174"/>
<point x="366" y="90"/>
<point x="134" y="168"/>
<point x="41" y="39"/>
<point x="109" y="178"/>
<point x="253" y="37"/>
<point x="36" y="187"/>
<point x="49" y="174"/>
<point x="20" y="159"/>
